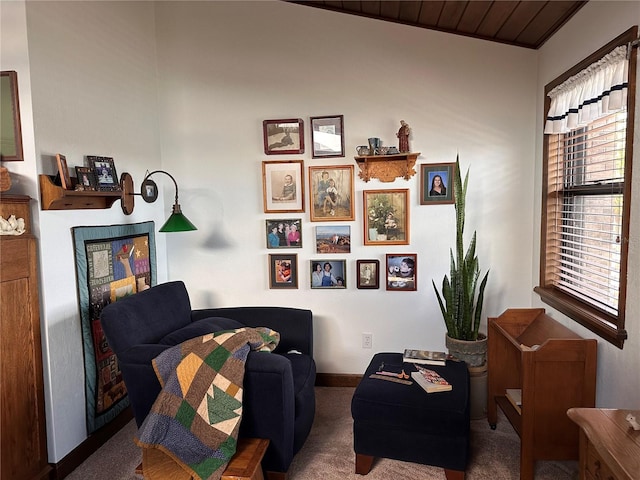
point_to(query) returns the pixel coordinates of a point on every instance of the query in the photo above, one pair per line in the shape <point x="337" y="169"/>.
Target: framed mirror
<point x="10" y="130"/>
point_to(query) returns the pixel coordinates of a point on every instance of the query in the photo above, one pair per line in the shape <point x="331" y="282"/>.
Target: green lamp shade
<point x="177" y="222"/>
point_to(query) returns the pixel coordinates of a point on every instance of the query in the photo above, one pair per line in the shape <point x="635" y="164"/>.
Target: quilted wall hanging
<point x="112" y="262"/>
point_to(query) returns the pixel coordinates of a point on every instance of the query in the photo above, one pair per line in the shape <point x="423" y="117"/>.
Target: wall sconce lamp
<point x="177" y="222"/>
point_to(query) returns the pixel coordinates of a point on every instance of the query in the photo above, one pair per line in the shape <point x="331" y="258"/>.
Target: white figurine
<point x="12" y="226"/>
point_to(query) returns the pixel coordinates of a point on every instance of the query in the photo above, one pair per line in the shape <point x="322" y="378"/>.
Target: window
<point x="587" y="189"/>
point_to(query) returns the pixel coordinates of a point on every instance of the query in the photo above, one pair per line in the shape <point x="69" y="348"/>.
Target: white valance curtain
<point x="598" y="90"/>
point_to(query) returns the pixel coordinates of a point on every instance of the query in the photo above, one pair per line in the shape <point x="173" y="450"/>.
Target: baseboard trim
<point x="337" y="380"/>
<point x="93" y="442"/>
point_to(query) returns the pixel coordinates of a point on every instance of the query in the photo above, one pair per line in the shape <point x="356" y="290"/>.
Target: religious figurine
<point x="403" y="137"/>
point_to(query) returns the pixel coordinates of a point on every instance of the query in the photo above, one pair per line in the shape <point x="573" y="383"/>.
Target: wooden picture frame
<point x="63" y="172"/>
<point x="402" y="271"/>
<point x="283" y="271"/>
<point x="333" y="205"/>
<point x="368" y="274"/>
<point x="283" y="186"/>
<point x="105" y="173"/>
<point x="327" y="136"/>
<point x="386" y="217"/>
<point x="282" y="137"/>
<point x="335" y="276"/>
<point x="11" y="131"/>
<point x="430" y="173"/>
<point x="86" y="179"/>
<point x="284" y="233"/>
<point x="333" y="239"/>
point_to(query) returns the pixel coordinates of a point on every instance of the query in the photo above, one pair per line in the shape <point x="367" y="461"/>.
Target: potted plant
<point x="460" y="306"/>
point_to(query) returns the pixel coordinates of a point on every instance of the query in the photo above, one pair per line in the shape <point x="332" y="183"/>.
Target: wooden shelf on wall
<point x="54" y="197"/>
<point x="387" y="168"/>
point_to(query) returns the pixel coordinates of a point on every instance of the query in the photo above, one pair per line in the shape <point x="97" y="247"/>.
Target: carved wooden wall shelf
<point x="387" y="168"/>
<point x="54" y="197"/>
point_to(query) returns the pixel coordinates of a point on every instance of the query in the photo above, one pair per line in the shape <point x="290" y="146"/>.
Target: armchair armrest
<point x="269" y="409"/>
<point x="295" y="325"/>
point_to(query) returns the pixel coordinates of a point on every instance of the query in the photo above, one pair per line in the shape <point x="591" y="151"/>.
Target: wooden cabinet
<point x="554" y="368"/>
<point x="609" y="447"/>
<point x="387" y="168"/>
<point x="23" y="441"/>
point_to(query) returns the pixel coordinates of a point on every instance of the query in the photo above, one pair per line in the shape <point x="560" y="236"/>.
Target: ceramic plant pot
<point x="473" y="352"/>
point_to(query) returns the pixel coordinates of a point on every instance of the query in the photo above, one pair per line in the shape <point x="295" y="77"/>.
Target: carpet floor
<point x="328" y="452"/>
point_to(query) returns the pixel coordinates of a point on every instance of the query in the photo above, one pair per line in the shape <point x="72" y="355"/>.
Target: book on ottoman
<point x="430" y="381"/>
<point x="425" y="357"/>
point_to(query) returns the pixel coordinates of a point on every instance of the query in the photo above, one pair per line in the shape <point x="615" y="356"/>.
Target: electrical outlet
<point x="367" y="340"/>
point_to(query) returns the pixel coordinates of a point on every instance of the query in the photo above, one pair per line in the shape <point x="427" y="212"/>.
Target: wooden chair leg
<point x="363" y="463"/>
<point x="454" y="474"/>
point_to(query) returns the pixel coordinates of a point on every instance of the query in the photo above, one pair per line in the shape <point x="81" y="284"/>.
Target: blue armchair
<point x="279" y="395"/>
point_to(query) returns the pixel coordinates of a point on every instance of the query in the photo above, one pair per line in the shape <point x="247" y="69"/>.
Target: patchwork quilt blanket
<point x="196" y="417"/>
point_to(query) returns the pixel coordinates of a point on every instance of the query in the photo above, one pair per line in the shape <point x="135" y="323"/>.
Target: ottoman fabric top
<point x="409" y="406"/>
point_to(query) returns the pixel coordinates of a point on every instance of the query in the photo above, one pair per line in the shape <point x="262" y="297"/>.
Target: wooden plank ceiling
<point x="522" y="23"/>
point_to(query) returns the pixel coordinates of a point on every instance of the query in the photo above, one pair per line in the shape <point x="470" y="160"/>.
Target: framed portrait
<point x="331" y="193"/>
<point x="63" y="172"/>
<point x="11" y="131"/>
<point x="105" y="173"/>
<point x="436" y="183"/>
<point x="402" y="271"/>
<point x="328" y="273"/>
<point x="86" y="179"/>
<point x="386" y="217"/>
<point x="283" y="271"/>
<point x="283" y="186"/>
<point x="327" y="136"/>
<point x="368" y="272"/>
<point x="282" y="137"/>
<point x="333" y="239"/>
<point x="284" y="233"/>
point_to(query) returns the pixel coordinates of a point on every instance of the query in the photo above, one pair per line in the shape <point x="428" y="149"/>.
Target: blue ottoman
<point x="403" y="422"/>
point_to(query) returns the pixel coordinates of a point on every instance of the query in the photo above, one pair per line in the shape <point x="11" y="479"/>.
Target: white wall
<point x="593" y="26"/>
<point x="90" y="73"/>
<point x="224" y="67"/>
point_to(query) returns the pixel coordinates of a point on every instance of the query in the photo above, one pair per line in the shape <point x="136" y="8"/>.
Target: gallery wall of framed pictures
<point x="329" y="197"/>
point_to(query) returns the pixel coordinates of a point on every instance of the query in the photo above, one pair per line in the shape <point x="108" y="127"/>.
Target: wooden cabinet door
<point x="22" y="421"/>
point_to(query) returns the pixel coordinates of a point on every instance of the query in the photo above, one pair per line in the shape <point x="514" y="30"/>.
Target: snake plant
<point x="460" y="307"/>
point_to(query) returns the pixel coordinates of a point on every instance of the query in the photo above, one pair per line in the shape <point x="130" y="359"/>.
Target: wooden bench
<point x="244" y="465"/>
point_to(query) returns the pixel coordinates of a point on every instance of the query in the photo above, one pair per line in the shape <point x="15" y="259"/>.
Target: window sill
<point x="596" y="321"/>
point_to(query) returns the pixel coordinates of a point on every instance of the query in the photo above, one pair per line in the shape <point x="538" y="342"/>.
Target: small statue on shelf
<point x="403" y="137"/>
<point x="12" y="226"/>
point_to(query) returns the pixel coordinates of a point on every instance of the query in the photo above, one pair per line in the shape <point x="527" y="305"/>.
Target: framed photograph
<point x="436" y="183"/>
<point x="328" y="273"/>
<point x="63" y="172"/>
<point x="105" y="173"/>
<point x="331" y="193"/>
<point x="11" y="131"/>
<point x="283" y="186"/>
<point x="283" y="136"/>
<point x="368" y="273"/>
<point x="386" y="217"/>
<point x="327" y="136"/>
<point x="284" y="233"/>
<point x="86" y="179"/>
<point x="333" y="239"/>
<point x="402" y="271"/>
<point x="283" y="271"/>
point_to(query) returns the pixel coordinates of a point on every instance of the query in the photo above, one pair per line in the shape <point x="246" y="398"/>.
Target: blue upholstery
<point x="279" y="396"/>
<point x="403" y="422"/>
